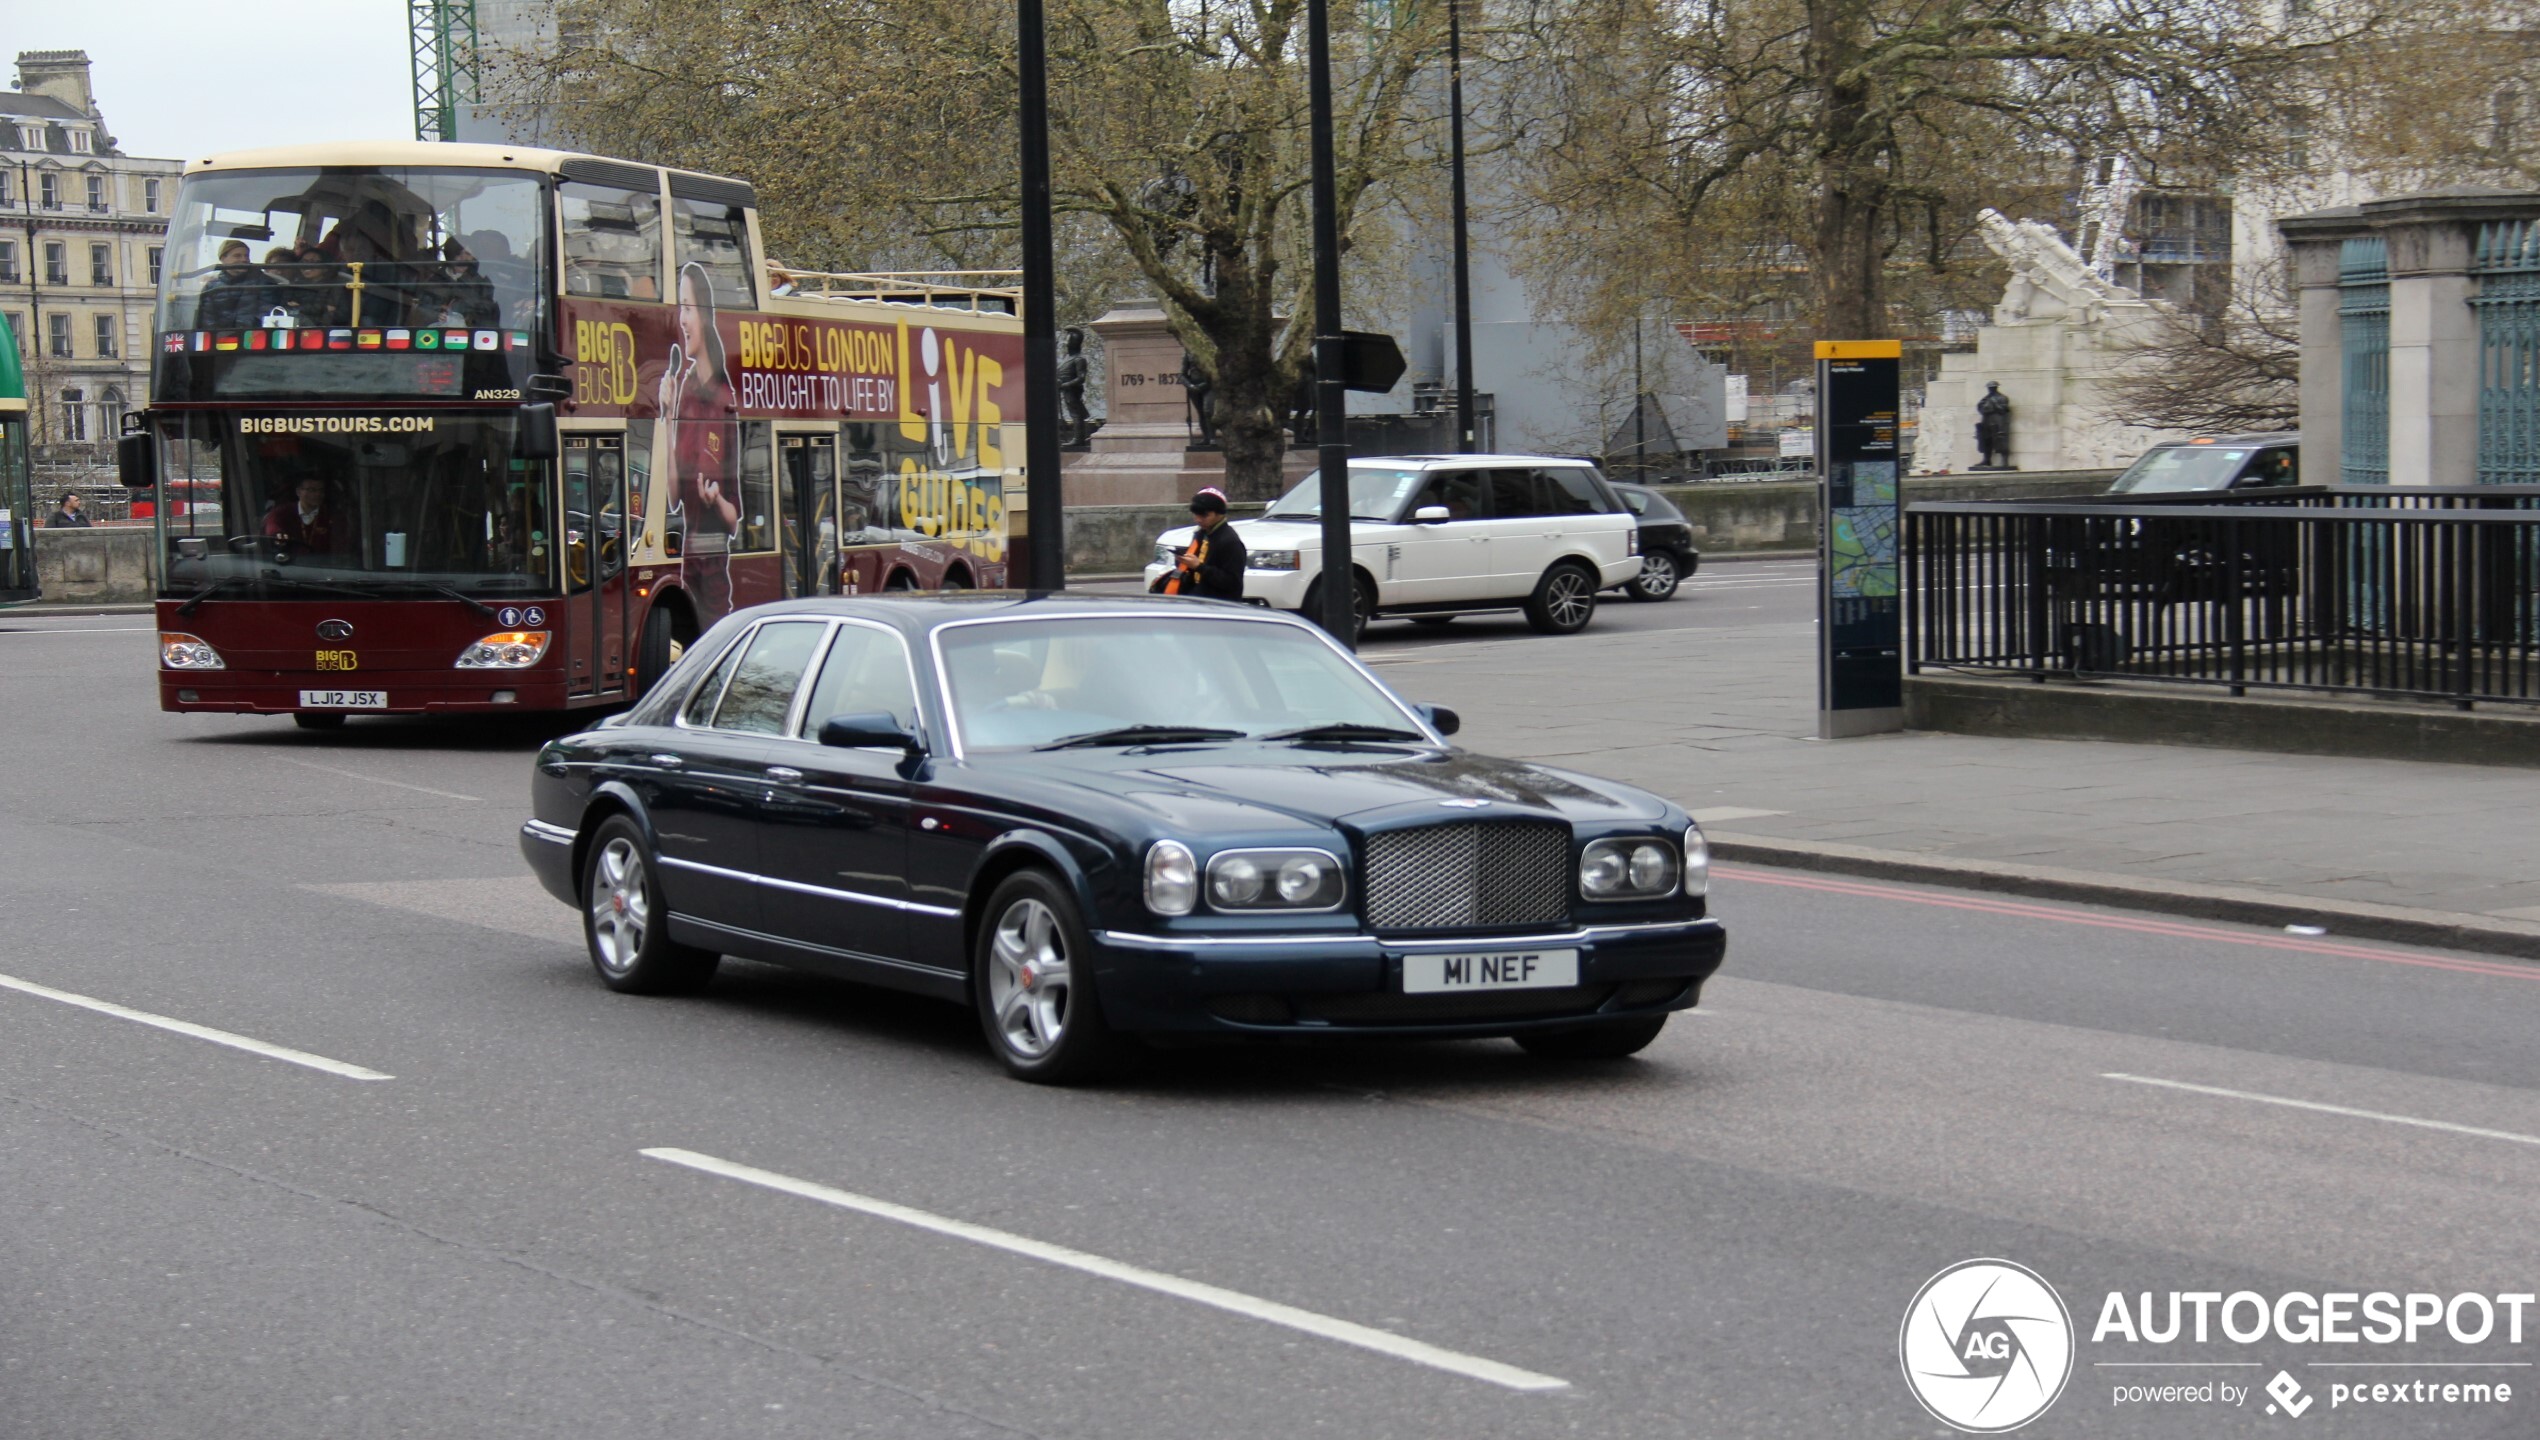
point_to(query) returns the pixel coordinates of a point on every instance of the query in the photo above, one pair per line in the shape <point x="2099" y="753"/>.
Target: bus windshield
<point x="354" y="246"/>
<point x="313" y="505"/>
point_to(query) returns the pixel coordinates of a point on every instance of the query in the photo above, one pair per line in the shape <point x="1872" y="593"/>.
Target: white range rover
<point x="1436" y="536"/>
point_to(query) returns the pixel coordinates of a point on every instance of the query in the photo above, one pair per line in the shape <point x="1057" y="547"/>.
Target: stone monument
<point x="1072" y="371"/>
<point x="1993" y="429"/>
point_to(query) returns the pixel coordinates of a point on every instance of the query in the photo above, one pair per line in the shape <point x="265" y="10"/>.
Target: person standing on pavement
<point x="1212" y="565"/>
<point x="72" y="515"/>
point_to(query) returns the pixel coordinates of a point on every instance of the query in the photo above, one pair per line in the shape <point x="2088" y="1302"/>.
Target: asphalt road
<point x="793" y="1207"/>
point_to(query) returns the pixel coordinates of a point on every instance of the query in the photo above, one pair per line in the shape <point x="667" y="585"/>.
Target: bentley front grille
<point x="1468" y="875"/>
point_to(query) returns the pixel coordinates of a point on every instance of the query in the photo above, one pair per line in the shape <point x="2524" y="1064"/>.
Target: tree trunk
<point x="1851" y="199"/>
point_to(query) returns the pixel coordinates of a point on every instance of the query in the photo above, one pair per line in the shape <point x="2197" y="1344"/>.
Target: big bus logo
<point x="603" y="362"/>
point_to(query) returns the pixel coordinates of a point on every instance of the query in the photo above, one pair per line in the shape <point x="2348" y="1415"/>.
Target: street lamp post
<point x="1046" y="511"/>
<point x="1467" y="431"/>
<point x="1331" y="420"/>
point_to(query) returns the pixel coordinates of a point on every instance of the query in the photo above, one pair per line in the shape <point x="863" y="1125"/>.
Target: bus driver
<point x="308" y="525"/>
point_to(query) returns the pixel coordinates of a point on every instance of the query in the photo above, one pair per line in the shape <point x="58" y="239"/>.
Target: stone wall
<point x="102" y="565"/>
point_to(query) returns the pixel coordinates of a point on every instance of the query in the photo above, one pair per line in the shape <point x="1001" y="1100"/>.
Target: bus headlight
<point x="505" y="650"/>
<point x="1271" y="560"/>
<point x="180" y="651"/>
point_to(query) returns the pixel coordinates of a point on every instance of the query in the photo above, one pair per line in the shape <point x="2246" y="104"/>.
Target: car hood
<point x="1362" y="785"/>
<point x="1260" y="534"/>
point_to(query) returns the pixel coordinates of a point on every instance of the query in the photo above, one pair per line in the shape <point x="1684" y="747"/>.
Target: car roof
<point x="2250" y="437"/>
<point x="919" y="613"/>
<point x="1430" y="462"/>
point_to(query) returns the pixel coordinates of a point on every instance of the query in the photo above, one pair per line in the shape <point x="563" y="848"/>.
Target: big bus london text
<point x="474" y="428"/>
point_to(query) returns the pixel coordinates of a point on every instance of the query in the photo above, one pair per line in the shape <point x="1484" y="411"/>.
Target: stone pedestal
<point x="1141" y="455"/>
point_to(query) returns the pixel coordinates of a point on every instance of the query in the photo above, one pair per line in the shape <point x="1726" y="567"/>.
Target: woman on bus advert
<point x="697" y="405"/>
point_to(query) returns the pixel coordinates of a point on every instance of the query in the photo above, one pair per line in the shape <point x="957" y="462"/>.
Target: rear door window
<point x="1518" y="494"/>
<point x="1571" y="490"/>
<point x="771" y="669"/>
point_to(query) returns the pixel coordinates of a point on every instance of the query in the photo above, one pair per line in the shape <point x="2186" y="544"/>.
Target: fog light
<point x="188" y="697"/>
<point x="505" y="697"/>
<point x="505" y="650"/>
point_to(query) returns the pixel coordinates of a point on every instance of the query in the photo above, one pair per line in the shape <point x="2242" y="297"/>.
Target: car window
<point x="2274" y="466"/>
<point x="1516" y="494"/>
<point x="866" y="671"/>
<point x="1464" y="493"/>
<point x="701" y="701"/>
<point x="771" y="669"/>
<point x="1636" y="501"/>
<point x="1569" y="490"/>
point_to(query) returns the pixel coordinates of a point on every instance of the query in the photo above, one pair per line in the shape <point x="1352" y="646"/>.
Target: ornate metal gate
<point x="2363" y="310"/>
<point x="2507" y="263"/>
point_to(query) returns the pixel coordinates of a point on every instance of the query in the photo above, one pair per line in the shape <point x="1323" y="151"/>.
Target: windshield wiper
<point x="195" y="600"/>
<point x="1344" y="730"/>
<point x="1140" y="735"/>
<point x="470" y="601"/>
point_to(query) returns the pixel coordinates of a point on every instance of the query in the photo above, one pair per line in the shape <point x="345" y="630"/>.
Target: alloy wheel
<point x="1657" y="575"/>
<point x="1568" y="600"/>
<point x="1028" y="980"/>
<point x="620" y="908"/>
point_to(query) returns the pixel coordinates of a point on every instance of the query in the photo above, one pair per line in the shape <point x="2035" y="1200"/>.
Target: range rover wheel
<point x="318" y="719"/>
<point x="1658" y="578"/>
<point x="626" y="924"/>
<point x="1033" y="981"/>
<point x="1564" y="600"/>
<point x="1365" y="611"/>
<point x="1610" y="1040"/>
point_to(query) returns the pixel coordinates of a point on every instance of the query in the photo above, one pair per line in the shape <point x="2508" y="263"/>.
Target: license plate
<point x="344" y="699"/>
<point x="1490" y="970"/>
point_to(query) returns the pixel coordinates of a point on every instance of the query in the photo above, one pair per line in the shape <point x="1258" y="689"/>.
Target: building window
<point x="110" y="408"/>
<point x="48" y="190"/>
<point x="8" y="262"/>
<point x="82" y="141"/>
<point x="150" y="195"/>
<point x="74" y="414"/>
<point x="57" y="328"/>
<point x="17" y="331"/>
<point x="101" y="264"/>
<point x="31" y="137"/>
<point x="8" y="178"/>
<point x="97" y="193"/>
<point x="158" y="260"/>
<point x="106" y="336"/>
<point x="57" y="263"/>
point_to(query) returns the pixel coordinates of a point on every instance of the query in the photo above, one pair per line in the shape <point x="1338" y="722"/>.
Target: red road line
<point x="2170" y="929"/>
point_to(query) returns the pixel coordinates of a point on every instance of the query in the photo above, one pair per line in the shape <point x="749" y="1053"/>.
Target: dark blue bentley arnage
<point x="1093" y="819"/>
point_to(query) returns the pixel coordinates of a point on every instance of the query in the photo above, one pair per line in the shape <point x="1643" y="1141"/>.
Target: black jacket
<point x="1221" y="575"/>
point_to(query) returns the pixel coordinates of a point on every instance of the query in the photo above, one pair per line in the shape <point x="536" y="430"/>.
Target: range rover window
<point x="761" y="694"/>
<point x="1571" y="490"/>
<point x="1517" y="494"/>
<point x="1464" y="493"/>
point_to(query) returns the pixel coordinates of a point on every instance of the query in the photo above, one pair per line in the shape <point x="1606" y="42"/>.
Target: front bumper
<point x="1278" y="589"/>
<point x="1351" y="984"/>
<point x="409" y="692"/>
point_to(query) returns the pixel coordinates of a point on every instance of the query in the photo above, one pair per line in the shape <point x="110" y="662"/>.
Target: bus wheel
<point x="955" y="580"/>
<point x="658" y="650"/>
<point x="318" y="719"/>
<point x="900" y="580"/>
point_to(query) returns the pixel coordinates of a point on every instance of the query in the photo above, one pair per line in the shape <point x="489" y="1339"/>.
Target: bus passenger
<point x="308" y="526"/>
<point x="314" y="291"/>
<point x="696" y="403"/>
<point x="378" y="283"/>
<point x="461" y="296"/>
<point x="236" y="296"/>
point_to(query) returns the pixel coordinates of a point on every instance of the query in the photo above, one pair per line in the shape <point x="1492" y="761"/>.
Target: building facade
<point x="82" y="231"/>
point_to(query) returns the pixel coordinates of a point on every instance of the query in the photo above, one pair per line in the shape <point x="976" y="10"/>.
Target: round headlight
<point x="1299" y="879"/>
<point x="1235" y="881"/>
<point x="1172" y="878"/>
<point x="1602" y="872"/>
<point x="1653" y="867"/>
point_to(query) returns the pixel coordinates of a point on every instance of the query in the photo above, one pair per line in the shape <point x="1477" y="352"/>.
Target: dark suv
<point x="2268" y="459"/>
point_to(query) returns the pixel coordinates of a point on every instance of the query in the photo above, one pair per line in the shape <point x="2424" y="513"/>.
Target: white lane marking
<point x="1235" y="1302"/>
<point x="379" y="780"/>
<point x="2346" y="1110"/>
<point x="283" y="1053"/>
<point x="1722" y="814"/>
<point x="84" y="630"/>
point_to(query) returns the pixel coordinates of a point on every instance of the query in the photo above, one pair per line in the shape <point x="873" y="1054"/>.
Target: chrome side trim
<point x="937" y="971"/>
<point x="801" y="888"/>
<point x="552" y="834"/>
<point x="1582" y="935"/>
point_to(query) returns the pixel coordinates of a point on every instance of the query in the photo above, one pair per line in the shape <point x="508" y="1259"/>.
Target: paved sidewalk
<point x="1723" y="721"/>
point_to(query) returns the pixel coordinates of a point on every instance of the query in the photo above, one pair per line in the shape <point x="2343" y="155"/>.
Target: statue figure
<point x="1073" y="368"/>
<point x="1195" y="391"/>
<point x="1993" y="428"/>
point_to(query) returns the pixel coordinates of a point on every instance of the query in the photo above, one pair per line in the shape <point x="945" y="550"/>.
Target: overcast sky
<point x="182" y="79"/>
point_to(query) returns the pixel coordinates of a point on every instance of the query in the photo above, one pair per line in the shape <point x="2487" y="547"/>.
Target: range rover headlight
<point x="1631" y="869"/>
<point x="505" y="650"/>
<point x="1172" y="878"/>
<point x="1283" y="879"/>
<point x="1271" y="560"/>
<point x="1697" y="862"/>
<point x="1166" y="555"/>
<point x="180" y="651"/>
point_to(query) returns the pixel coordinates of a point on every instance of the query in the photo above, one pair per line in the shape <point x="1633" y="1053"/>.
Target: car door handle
<point x="667" y="762"/>
<point x="784" y="774"/>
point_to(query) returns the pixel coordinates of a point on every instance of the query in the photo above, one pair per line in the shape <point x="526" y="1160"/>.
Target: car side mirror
<point x="537" y="440"/>
<point x="871" y="730"/>
<point x="136" y="460"/>
<point x="1441" y="719"/>
<point x="1430" y="515"/>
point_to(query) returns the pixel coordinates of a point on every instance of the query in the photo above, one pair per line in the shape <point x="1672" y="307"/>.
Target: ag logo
<point x="1986" y="1346"/>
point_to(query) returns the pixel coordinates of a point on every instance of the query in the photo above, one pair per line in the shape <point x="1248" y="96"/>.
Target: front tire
<point x="1610" y="1040"/>
<point x="1658" y="577"/>
<point x="1564" y="600"/>
<point x="1032" y="980"/>
<point x="657" y="650"/>
<point x="625" y="923"/>
<point x="1365" y="610"/>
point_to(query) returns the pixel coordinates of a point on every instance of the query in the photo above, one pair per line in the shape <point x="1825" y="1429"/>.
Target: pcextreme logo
<point x="1986" y="1346"/>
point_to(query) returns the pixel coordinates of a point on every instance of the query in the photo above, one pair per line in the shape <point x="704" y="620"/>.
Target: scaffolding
<point x="445" y="64"/>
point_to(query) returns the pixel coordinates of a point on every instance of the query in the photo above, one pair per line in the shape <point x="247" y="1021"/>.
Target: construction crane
<point x="445" y="64"/>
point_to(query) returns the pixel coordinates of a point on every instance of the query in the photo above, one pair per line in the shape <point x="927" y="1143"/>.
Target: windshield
<point x="2182" y="467"/>
<point x="1375" y="492"/>
<point x="357" y="247"/>
<point x="1017" y="684"/>
<point x="321" y="504"/>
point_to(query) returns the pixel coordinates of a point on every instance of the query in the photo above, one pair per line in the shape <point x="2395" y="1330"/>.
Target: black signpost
<point x="1860" y="670"/>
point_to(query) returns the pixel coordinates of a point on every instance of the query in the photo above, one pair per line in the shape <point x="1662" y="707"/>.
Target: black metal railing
<point x="2400" y="591"/>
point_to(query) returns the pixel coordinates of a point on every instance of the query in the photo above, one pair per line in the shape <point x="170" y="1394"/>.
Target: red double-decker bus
<point x="454" y="428"/>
